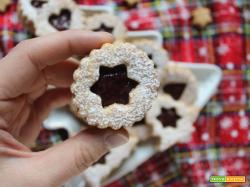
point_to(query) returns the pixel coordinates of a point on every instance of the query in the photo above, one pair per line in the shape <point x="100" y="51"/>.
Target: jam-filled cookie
<point x="171" y="121"/>
<point x="154" y="51"/>
<point x="28" y="11"/>
<point x="4" y="4"/>
<point x="58" y="16"/>
<point x="108" y="23"/>
<point x="179" y="82"/>
<point x="98" y="172"/>
<point x="114" y="86"/>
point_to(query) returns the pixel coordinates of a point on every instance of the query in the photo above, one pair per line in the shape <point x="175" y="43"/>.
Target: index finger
<point x="51" y="49"/>
<point x="21" y="70"/>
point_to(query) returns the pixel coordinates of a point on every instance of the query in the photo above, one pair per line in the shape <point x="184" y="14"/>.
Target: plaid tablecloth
<point x="221" y="143"/>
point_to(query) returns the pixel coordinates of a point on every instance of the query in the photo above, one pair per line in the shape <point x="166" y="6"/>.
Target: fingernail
<point x="115" y="140"/>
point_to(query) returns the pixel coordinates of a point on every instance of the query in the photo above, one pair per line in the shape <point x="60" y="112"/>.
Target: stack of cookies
<point x="128" y="84"/>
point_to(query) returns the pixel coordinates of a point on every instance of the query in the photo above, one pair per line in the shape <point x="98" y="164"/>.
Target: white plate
<point x="208" y="76"/>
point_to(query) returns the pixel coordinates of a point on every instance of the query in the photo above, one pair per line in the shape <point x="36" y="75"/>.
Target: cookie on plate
<point x="154" y="51"/>
<point x="28" y="11"/>
<point x="59" y="16"/>
<point x="114" y="86"/>
<point x="108" y="23"/>
<point x="179" y="82"/>
<point x="171" y="121"/>
<point x="98" y="172"/>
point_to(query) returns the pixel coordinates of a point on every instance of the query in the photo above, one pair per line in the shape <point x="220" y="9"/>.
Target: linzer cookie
<point x="59" y="16"/>
<point x="108" y="23"/>
<point x="4" y="4"/>
<point x="171" y="121"/>
<point x="28" y="11"/>
<point x="179" y="82"/>
<point x="114" y="86"/>
<point x="154" y="51"/>
<point x="97" y="173"/>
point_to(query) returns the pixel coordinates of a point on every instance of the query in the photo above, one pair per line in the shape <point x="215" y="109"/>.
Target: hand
<point x="25" y="102"/>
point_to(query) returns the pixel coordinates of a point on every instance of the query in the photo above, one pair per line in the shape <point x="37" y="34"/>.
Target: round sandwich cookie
<point x="59" y="16"/>
<point x="171" y="121"/>
<point x="97" y="173"/>
<point x="108" y="23"/>
<point x="179" y="82"/>
<point x="154" y="51"/>
<point x="28" y="11"/>
<point x="114" y="86"/>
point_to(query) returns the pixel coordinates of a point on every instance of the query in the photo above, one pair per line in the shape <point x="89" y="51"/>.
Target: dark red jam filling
<point x="38" y="3"/>
<point x="113" y="85"/>
<point x="62" y="21"/>
<point x="104" y="28"/>
<point x="174" y="89"/>
<point x="168" y="117"/>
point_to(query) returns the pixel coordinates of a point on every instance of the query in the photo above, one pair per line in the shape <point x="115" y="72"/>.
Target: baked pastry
<point x="98" y="172"/>
<point x="201" y="17"/>
<point x="179" y="82"/>
<point x="108" y="23"/>
<point x="28" y="11"/>
<point x="171" y="121"/>
<point x="4" y="4"/>
<point x="114" y="86"/>
<point x="154" y="51"/>
<point x="58" y="16"/>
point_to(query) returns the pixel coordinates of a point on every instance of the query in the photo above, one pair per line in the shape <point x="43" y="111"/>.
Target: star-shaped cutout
<point x="113" y="85"/>
<point x="174" y="89"/>
<point x="168" y="117"/>
<point x="104" y="28"/>
<point x="201" y="17"/>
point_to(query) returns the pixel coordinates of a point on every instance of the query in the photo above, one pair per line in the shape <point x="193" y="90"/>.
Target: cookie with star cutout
<point x="97" y="173"/>
<point x="154" y="51"/>
<point x="179" y="82"/>
<point x="114" y="86"/>
<point x="171" y="121"/>
<point x="28" y="11"/>
<point x="59" y="16"/>
<point x="108" y="23"/>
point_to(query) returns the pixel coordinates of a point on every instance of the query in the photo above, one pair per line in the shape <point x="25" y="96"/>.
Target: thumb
<point x="76" y="154"/>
